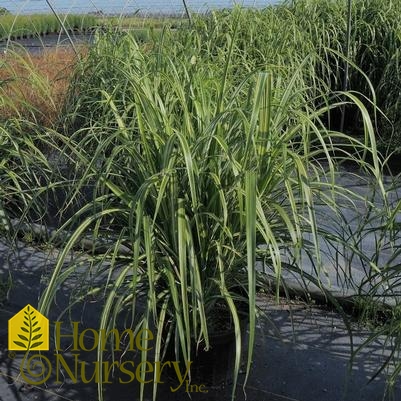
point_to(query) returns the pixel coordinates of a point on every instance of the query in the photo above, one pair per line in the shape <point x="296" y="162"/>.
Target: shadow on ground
<point x="301" y="353"/>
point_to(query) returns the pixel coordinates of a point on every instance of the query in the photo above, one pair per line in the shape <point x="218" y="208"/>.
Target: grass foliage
<point x="198" y="151"/>
<point x="375" y="45"/>
<point x="33" y="86"/>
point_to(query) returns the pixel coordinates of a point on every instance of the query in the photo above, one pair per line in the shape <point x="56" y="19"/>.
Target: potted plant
<point x="196" y="171"/>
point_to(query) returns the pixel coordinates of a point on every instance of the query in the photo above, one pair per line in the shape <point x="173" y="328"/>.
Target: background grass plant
<point x="374" y="49"/>
<point x="34" y="86"/>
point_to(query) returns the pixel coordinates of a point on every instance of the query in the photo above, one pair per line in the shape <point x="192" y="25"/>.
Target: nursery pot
<point x="213" y="368"/>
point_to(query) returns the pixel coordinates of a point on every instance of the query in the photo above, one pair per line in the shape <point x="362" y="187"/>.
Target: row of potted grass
<point x="21" y="26"/>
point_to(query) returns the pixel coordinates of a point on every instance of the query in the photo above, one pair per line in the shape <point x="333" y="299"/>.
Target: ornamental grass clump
<point x="26" y="176"/>
<point x="33" y="87"/>
<point x="198" y="161"/>
<point x="374" y="49"/>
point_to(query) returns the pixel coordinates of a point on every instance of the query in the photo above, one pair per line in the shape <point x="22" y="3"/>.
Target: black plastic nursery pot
<point x="211" y="369"/>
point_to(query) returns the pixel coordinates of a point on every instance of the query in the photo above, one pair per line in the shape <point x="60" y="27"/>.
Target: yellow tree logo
<point x="28" y="330"/>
